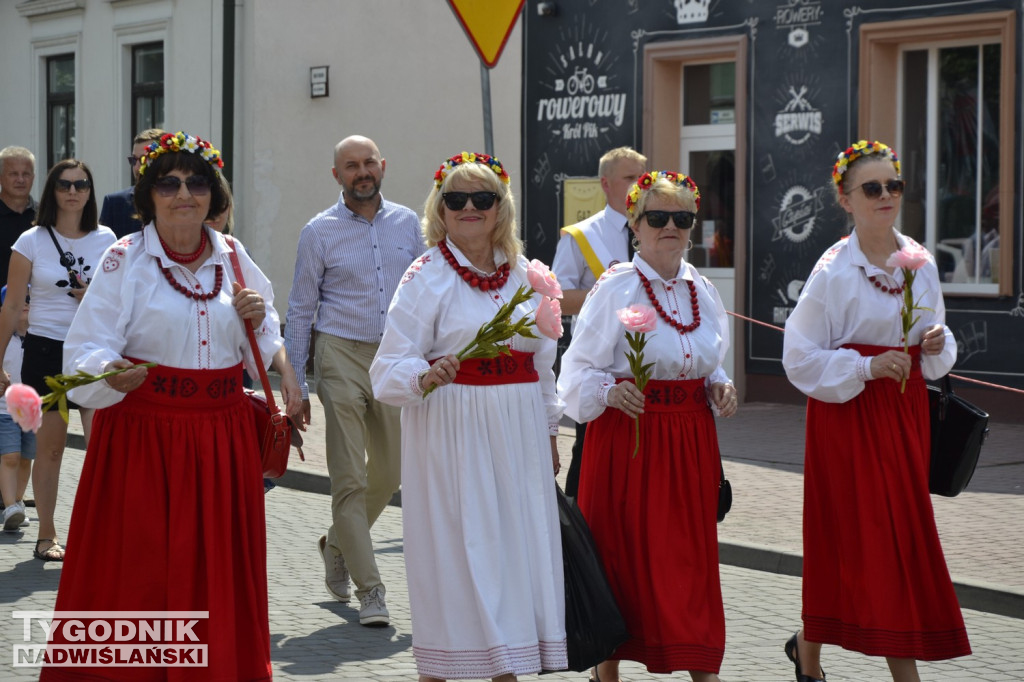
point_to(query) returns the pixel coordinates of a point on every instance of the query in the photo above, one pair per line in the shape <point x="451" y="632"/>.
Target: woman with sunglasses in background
<point x="874" y="577"/>
<point x="652" y="509"/>
<point x="482" y="542"/>
<point x="169" y="513"/>
<point x="58" y="258"/>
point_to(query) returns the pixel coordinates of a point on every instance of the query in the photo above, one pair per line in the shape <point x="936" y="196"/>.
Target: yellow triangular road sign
<point x="488" y="23"/>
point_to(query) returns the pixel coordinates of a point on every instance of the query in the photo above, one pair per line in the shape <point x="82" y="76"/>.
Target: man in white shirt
<point x="590" y="247"/>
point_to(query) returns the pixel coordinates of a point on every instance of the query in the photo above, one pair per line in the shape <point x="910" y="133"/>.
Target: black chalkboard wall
<point x="582" y="96"/>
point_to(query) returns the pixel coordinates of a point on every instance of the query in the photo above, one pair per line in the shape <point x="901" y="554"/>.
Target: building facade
<point x="81" y="77"/>
<point x="755" y="100"/>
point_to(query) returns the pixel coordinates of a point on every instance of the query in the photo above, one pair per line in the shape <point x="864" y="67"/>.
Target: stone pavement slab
<point x="982" y="530"/>
<point x="314" y="637"/>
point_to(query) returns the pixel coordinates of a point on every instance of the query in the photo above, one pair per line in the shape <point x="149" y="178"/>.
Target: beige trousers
<point x="363" y="452"/>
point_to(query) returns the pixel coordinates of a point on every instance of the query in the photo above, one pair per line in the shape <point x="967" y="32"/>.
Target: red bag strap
<point x="256" y="355"/>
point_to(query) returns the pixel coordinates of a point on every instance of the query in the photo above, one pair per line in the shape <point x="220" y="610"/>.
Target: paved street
<point x="316" y="638"/>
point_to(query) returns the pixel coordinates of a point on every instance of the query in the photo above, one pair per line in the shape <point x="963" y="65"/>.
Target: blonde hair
<point x="663" y="188"/>
<point x="612" y="157"/>
<point x="506" y="230"/>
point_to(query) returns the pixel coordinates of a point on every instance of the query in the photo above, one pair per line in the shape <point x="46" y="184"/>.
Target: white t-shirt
<point x="52" y="308"/>
<point x="12" y="365"/>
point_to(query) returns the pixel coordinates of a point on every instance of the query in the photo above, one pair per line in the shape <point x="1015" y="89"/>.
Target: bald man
<point x="350" y="259"/>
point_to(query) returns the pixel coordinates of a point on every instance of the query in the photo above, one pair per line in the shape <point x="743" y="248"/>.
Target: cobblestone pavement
<point x="316" y="638"/>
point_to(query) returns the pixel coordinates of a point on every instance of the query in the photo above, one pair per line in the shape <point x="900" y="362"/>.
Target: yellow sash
<point x="588" y="252"/>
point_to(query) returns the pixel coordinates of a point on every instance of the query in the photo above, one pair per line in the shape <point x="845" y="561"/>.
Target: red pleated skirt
<point x="875" y="579"/>
<point x="169" y="517"/>
<point x="653" y="520"/>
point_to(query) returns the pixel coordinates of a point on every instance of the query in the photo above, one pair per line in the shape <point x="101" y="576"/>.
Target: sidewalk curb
<point x="973" y="595"/>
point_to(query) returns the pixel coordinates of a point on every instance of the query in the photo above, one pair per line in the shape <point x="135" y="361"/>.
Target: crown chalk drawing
<point x="692" y="11"/>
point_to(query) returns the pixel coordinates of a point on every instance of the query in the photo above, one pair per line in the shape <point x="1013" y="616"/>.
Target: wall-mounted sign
<point x="318" y="81"/>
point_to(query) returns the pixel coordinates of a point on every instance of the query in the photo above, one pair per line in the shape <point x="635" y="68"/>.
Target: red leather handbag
<point x="275" y="432"/>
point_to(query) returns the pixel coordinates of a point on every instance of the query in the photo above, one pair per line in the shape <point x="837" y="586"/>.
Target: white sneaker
<point x="373" y="611"/>
<point x="336" y="572"/>
<point x="13" y="517"/>
<point x="21" y="503"/>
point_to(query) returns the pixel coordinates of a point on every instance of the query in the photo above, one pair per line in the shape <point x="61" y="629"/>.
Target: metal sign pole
<point x="485" y="91"/>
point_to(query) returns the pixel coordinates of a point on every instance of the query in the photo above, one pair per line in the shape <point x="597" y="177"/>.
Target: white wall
<point x="401" y="72"/>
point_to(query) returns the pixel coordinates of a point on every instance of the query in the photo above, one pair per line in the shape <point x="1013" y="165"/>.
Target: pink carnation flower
<point x="543" y="280"/>
<point x="549" y="318"/>
<point x="25" y="406"/>
<point x="910" y="257"/>
<point x="639" y="317"/>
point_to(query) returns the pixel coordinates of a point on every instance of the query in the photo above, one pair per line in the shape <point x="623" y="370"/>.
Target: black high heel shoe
<point x="791" y="654"/>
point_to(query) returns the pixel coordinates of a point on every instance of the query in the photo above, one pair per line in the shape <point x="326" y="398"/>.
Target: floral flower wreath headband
<point x="181" y="142"/>
<point x="647" y="180"/>
<point x="859" y="149"/>
<point x="469" y="157"/>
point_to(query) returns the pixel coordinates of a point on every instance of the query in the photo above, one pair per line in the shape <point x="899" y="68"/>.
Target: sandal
<point x="53" y="553"/>
<point x="791" y="654"/>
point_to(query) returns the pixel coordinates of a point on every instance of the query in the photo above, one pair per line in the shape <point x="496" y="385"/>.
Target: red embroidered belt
<point x="679" y="395"/>
<point x="870" y="351"/>
<point x="504" y="369"/>
<point x="192" y="388"/>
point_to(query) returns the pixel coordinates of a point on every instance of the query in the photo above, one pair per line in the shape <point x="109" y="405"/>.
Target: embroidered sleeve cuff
<point x="415" y="387"/>
<point x="602" y="392"/>
<point x="864" y="369"/>
<point x="553" y="429"/>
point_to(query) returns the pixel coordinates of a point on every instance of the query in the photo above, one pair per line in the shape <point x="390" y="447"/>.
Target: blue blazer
<point x="118" y="209"/>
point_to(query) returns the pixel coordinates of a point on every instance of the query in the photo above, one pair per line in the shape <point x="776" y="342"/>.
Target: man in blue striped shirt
<point x="349" y="261"/>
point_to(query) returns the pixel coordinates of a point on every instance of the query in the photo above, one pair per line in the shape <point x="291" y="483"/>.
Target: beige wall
<point x="401" y="72"/>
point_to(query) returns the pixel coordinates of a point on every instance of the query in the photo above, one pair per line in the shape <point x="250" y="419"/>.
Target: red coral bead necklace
<point x="185" y="257"/>
<point x="218" y="281"/>
<point x="895" y="291"/>
<point x="482" y="282"/>
<point x="680" y="327"/>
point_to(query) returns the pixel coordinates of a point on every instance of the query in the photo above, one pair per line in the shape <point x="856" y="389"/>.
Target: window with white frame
<point x="60" y="108"/>
<point x="943" y="88"/>
<point x="950" y="145"/>
<point x="147" y="86"/>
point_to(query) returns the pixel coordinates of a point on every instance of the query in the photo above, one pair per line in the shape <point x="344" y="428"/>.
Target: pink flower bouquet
<point x="638" y="319"/>
<point x="909" y="259"/>
<point x="490" y="338"/>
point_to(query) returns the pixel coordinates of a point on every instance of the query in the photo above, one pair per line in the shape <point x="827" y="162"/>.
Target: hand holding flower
<point x="24" y="403"/>
<point x="910" y="259"/>
<point x="638" y="319"/>
<point x="490" y="338"/>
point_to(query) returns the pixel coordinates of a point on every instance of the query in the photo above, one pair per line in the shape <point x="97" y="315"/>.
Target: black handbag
<point x="958" y="430"/>
<point x="724" y="495"/>
<point x="594" y="626"/>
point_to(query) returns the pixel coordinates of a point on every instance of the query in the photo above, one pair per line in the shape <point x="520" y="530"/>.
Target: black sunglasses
<point x="456" y="201"/>
<point x="132" y="160"/>
<point x="659" y="219"/>
<point x="168" y="186"/>
<point x="79" y="185"/>
<point x="873" y="188"/>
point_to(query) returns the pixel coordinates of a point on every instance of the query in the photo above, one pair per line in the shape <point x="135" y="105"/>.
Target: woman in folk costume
<point x="652" y="508"/>
<point x="169" y="513"/>
<point x="874" y="577"/>
<point x="482" y="539"/>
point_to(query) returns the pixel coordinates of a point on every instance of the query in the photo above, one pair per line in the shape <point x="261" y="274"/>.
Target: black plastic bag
<point x="594" y="627"/>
